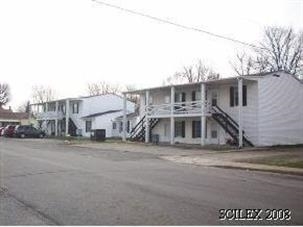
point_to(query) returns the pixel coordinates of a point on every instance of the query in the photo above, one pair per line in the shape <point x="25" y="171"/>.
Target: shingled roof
<point x="9" y="114"/>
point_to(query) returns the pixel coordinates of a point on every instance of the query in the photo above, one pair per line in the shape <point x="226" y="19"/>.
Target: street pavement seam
<point x="38" y="173"/>
<point x="32" y="209"/>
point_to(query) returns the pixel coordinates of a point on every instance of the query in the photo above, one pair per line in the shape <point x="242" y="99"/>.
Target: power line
<point x="176" y="24"/>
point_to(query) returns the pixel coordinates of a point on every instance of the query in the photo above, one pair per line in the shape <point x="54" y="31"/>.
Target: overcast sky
<point x="66" y="44"/>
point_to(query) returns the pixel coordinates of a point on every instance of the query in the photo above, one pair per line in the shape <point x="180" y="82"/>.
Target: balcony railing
<point x="49" y="115"/>
<point x="179" y="108"/>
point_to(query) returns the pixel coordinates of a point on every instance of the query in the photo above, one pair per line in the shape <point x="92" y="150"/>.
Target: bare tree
<point x="4" y="94"/>
<point x="132" y="97"/>
<point x="103" y="88"/>
<point x="24" y="107"/>
<point x="281" y="49"/>
<point x="243" y="65"/>
<point x="193" y="73"/>
<point x="43" y="94"/>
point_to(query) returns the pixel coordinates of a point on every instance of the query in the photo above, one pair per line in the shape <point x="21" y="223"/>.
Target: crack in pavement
<point x="30" y="208"/>
<point x="38" y="173"/>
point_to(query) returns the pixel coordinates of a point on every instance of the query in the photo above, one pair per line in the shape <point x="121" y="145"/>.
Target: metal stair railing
<point x="218" y="114"/>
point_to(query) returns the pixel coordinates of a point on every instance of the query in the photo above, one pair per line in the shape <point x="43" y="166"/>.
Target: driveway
<point x="47" y="182"/>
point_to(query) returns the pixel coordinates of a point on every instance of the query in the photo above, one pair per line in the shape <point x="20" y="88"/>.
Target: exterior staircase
<point x="72" y="128"/>
<point x="138" y="132"/>
<point x="229" y="125"/>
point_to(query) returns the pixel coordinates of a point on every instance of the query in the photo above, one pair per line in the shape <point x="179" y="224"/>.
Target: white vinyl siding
<point x="280" y="110"/>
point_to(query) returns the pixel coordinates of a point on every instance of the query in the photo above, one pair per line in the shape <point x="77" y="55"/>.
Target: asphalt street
<point x="44" y="182"/>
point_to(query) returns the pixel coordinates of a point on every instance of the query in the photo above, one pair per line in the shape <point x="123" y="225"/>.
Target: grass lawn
<point x="290" y="160"/>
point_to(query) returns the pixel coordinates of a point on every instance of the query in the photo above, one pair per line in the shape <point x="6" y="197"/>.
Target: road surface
<point x="44" y="182"/>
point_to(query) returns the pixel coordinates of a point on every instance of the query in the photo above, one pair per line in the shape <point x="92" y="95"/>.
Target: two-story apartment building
<point x="255" y="110"/>
<point x="78" y="116"/>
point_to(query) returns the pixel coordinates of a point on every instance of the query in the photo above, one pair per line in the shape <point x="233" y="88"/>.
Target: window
<point x="196" y="129"/>
<point x="62" y="108"/>
<point x="195" y="96"/>
<point x="75" y="108"/>
<point x="180" y="97"/>
<point x="127" y="126"/>
<point x="167" y="99"/>
<point x="114" y="125"/>
<point x="121" y="127"/>
<point x="51" y="107"/>
<point x="165" y="130"/>
<point x="234" y="96"/>
<point x="150" y="101"/>
<point x="180" y="129"/>
<point x="214" y="134"/>
<point x="88" y="126"/>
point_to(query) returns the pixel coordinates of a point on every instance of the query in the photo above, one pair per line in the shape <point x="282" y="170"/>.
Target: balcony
<point x="50" y="115"/>
<point x="180" y="109"/>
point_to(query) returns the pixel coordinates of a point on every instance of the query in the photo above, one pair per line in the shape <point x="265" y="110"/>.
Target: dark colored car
<point x="23" y="131"/>
<point x="1" y="131"/>
<point x="9" y="131"/>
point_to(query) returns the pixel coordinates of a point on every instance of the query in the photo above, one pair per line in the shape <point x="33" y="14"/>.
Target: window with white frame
<point x="128" y="127"/>
<point x="51" y="107"/>
<point x="75" y="107"/>
<point x="234" y="96"/>
<point x="88" y="126"/>
<point x="166" y="130"/>
<point x="167" y="99"/>
<point x="214" y="134"/>
<point x="196" y="129"/>
<point x="120" y="127"/>
<point x="180" y="129"/>
<point x="180" y="97"/>
<point x="195" y="96"/>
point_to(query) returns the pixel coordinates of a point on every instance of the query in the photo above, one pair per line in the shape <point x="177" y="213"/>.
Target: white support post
<point x="240" y="104"/>
<point x="29" y="113"/>
<point x="172" y="119"/>
<point x="46" y="118"/>
<point x="203" y="115"/>
<point x="46" y="107"/>
<point x="124" y="117"/>
<point x="146" y="117"/>
<point x="66" y="117"/>
<point x="56" y="120"/>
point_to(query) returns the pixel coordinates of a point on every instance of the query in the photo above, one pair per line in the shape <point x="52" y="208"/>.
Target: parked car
<point x="9" y="131"/>
<point x="23" y="131"/>
<point x="1" y="131"/>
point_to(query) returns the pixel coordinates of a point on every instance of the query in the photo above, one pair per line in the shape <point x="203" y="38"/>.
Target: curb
<point x="289" y="172"/>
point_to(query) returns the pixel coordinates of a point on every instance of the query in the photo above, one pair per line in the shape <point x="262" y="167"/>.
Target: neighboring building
<point x="260" y="110"/>
<point x="83" y="114"/>
<point x="8" y="117"/>
<point x="117" y="125"/>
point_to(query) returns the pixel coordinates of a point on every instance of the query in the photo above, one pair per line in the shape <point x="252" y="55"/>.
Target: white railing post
<point x="172" y="119"/>
<point x="124" y="117"/>
<point x="66" y="117"/>
<point x="240" y="103"/>
<point x="56" y="119"/>
<point x="203" y="114"/>
<point x="146" y="117"/>
<point x="46" y="107"/>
